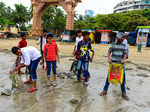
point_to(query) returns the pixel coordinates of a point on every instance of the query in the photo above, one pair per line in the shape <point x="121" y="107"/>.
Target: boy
<point x="30" y="57"/>
<point x="50" y="53"/>
<point x="78" y="39"/>
<point x="117" y="54"/>
<point x="124" y="41"/>
<point x="23" y="42"/>
<point x="84" y="47"/>
<point x="42" y="41"/>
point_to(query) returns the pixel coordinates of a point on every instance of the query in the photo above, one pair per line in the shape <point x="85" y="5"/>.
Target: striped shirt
<point x="117" y="52"/>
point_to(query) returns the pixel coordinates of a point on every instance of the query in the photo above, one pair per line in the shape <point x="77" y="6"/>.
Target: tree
<point x="20" y="16"/>
<point x="54" y="19"/>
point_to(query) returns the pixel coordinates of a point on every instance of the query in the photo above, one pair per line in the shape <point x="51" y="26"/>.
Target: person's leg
<point x="85" y="65"/>
<point x="48" y="64"/>
<point x="79" y="70"/>
<point x="123" y="87"/>
<point x="30" y="78"/>
<point x="34" y="74"/>
<point x="54" y="69"/>
<point x="104" y="92"/>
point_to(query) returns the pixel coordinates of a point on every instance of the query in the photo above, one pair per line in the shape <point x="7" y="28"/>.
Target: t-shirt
<point x="78" y="40"/>
<point x="117" y="52"/>
<point x="84" y="49"/>
<point x="42" y="44"/>
<point x="29" y="54"/>
<point x="50" y="51"/>
<point x="22" y="43"/>
<point x="125" y="42"/>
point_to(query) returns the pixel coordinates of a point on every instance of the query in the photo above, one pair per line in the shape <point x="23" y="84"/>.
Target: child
<point x="50" y="53"/>
<point x="117" y="53"/>
<point x="42" y="41"/>
<point x="84" y="47"/>
<point x="78" y="39"/>
<point x="30" y="57"/>
<point x="23" y="42"/>
<point x="75" y="53"/>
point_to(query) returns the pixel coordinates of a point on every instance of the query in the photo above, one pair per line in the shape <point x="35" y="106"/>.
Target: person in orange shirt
<point x="51" y="55"/>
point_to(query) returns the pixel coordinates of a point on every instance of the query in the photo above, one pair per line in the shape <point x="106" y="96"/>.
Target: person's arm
<point x="124" y="57"/>
<point x="109" y="55"/>
<point x="93" y="52"/>
<point x="75" y="47"/>
<point x="57" y="54"/>
<point x="78" y="47"/>
<point x="25" y="61"/>
<point x="43" y="55"/>
<point x="21" y="65"/>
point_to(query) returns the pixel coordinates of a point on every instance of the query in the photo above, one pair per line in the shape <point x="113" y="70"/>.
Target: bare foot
<point x="124" y="96"/>
<point x="103" y="93"/>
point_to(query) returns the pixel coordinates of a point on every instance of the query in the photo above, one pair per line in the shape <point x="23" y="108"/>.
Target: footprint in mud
<point x="65" y="75"/>
<point x="74" y="101"/>
<point x="129" y="69"/>
<point x="142" y="75"/>
<point x="141" y="82"/>
<point x="143" y="68"/>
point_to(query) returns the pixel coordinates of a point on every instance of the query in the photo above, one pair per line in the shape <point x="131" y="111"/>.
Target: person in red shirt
<point x="50" y="53"/>
<point x="23" y="42"/>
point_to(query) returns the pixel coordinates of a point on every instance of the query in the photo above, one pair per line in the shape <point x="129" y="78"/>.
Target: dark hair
<point x="49" y="35"/>
<point x="44" y="31"/>
<point x="85" y="33"/>
<point x="14" y="50"/>
<point x="23" y="34"/>
<point x="79" y="31"/>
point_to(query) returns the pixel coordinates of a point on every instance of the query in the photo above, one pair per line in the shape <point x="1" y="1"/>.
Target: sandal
<point x="103" y="93"/>
<point x="28" y="82"/>
<point x="85" y="83"/>
<point x="32" y="89"/>
<point x="124" y="96"/>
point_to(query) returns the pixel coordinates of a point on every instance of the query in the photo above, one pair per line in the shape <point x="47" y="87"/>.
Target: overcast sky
<point x="99" y="6"/>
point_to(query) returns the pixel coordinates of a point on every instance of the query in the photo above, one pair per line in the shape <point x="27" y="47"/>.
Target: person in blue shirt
<point x="84" y="48"/>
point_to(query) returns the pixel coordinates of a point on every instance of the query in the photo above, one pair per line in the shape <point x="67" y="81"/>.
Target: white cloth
<point x="43" y="42"/>
<point x="78" y="40"/>
<point x="125" y="42"/>
<point x="29" y="54"/>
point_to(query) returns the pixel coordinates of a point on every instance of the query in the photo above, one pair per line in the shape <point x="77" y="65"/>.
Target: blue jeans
<point x="33" y="67"/>
<point x="79" y="68"/>
<point x="49" y="63"/>
<point x="123" y="87"/>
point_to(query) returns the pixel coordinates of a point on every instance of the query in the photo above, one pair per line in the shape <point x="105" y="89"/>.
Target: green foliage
<point x="118" y="21"/>
<point x="20" y="16"/>
<point x="54" y="19"/>
<point x="14" y="17"/>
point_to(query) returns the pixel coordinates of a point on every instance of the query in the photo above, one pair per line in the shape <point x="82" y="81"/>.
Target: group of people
<point x="83" y="52"/>
<point x="31" y="57"/>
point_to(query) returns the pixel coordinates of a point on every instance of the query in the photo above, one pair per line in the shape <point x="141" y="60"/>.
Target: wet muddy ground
<point x="69" y="96"/>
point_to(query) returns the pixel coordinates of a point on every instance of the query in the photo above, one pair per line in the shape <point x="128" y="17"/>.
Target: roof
<point x="144" y="27"/>
<point x="104" y="30"/>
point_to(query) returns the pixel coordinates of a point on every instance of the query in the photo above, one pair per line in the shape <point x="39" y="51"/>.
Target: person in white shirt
<point x="30" y="57"/>
<point x="78" y="39"/>
<point x="125" y="42"/>
<point x="42" y="42"/>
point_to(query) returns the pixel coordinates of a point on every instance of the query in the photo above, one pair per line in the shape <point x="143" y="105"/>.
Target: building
<point x="89" y="13"/>
<point x="130" y="5"/>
